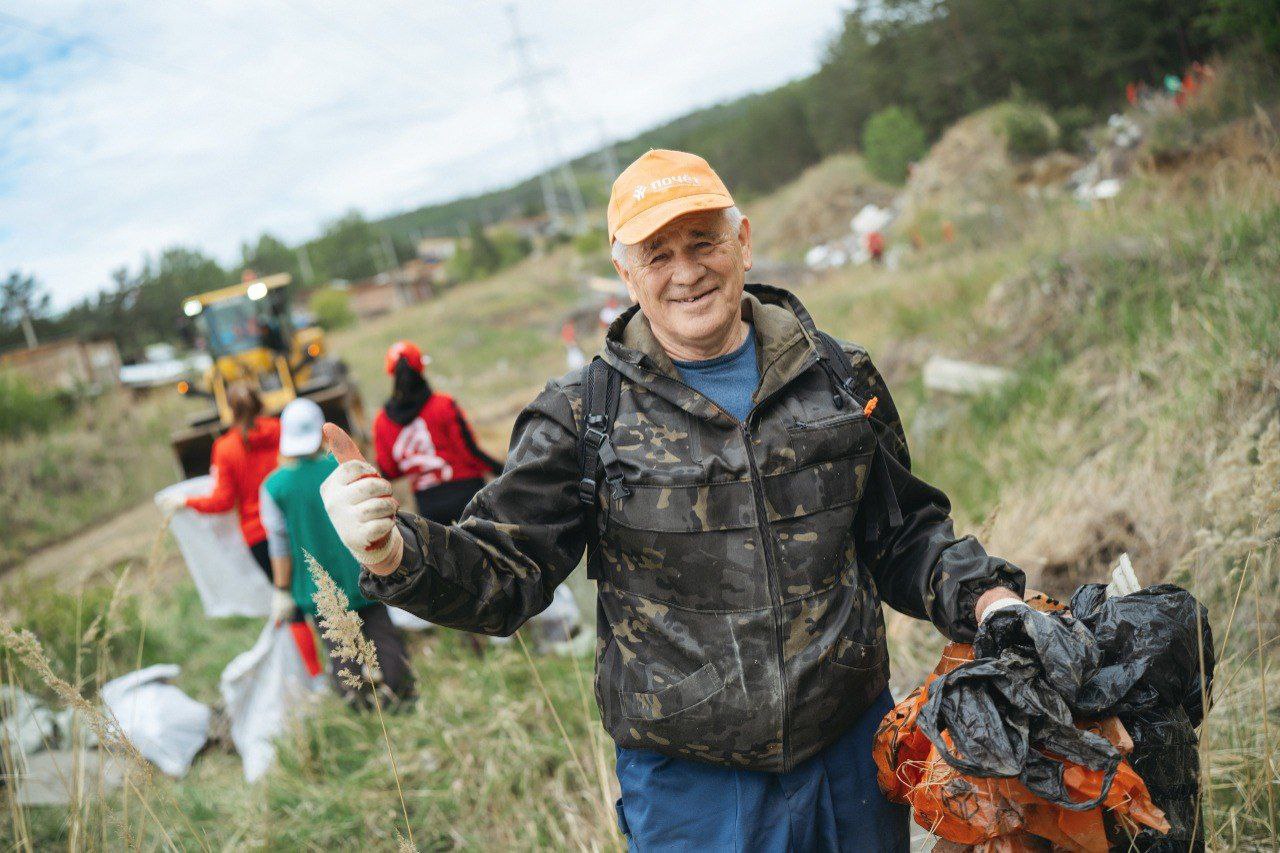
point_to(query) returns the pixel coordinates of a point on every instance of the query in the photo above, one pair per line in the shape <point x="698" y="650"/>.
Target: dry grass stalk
<point x="341" y="626"/>
<point x="601" y="805"/>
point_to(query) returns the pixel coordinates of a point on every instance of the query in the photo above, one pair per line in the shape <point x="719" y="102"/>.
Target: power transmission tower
<point x="557" y="178"/>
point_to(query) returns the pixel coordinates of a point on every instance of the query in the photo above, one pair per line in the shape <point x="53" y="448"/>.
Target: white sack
<point x="406" y="621"/>
<point x="230" y="582"/>
<point x="558" y="622"/>
<point x="166" y="725"/>
<point x="259" y="688"/>
<point x="26" y="725"/>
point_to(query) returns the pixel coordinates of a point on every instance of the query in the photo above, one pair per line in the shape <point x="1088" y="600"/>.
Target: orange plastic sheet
<point x="1001" y="814"/>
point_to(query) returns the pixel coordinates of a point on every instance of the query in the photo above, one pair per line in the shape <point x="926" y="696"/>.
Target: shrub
<point x="891" y="140"/>
<point x="1072" y="123"/>
<point x="1028" y="131"/>
<point x="24" y="409"/>
<point x="332" y="309"/>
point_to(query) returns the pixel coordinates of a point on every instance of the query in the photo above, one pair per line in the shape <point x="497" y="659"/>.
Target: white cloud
<point x="128" y="127"/>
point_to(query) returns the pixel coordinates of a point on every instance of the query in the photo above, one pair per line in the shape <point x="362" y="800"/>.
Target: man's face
<point x="688" y="279"/>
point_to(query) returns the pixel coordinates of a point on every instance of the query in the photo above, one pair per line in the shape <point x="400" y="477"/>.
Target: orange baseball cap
<point x="658" y="187"/>
<point x="409" y="352"/>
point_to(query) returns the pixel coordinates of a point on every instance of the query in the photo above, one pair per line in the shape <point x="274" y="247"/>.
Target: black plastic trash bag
<point x="1166" y="755"/>
<point x="1139" y="657"/>
<point x="1003" y="717"/>
<point x="1064" y="648"/>
<point x="1152" y="644"/>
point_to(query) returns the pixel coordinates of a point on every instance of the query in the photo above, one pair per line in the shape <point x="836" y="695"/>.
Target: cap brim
<point x="646" y="222"/>
<point x="300" y="445"/>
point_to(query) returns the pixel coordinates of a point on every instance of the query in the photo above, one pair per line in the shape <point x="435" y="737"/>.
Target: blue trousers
<point x="830" y="802"/>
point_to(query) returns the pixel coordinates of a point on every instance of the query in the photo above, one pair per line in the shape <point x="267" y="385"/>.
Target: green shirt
<point x="294" y="487"/>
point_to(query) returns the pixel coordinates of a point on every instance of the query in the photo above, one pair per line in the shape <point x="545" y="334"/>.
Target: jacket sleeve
<point x="382" y="447"/>
<point x="273" y="522"/>
<point x="522" y="535"/>
<point x="223" y="496"/>
<point x="920" y="567"/>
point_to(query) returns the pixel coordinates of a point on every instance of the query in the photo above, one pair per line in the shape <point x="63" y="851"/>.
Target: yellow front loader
<point x="251" y="335"/>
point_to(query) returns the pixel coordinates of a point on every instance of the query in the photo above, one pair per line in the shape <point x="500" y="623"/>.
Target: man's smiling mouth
<point x="692" y="299"/>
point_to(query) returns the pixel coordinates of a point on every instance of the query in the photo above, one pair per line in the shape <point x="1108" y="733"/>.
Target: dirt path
<point x="127" y="537"/>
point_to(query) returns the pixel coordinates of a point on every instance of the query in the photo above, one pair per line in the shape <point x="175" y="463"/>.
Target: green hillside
<point x="1142" y="417"/>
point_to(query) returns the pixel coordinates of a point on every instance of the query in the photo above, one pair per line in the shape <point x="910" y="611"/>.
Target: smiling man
<point x="742" y="486"/>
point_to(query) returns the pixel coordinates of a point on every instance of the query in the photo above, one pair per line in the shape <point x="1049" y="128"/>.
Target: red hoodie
<point x="239" y="466"/>
<point x="435" y="447"/>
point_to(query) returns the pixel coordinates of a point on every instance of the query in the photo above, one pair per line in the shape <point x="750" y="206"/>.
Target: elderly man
<point x="742" y="486"/>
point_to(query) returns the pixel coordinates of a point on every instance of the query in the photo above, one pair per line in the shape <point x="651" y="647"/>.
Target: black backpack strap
<point x="596" y="453"/>
<point x="835" y="361"/>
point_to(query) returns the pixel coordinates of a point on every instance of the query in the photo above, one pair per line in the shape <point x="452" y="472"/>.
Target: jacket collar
<point x="785" y="335"/>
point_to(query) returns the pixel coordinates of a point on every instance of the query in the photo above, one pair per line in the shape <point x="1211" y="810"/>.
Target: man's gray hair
<point x="732" y="222"/>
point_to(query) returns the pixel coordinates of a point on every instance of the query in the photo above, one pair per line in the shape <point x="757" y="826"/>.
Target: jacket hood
<point x="785" y="335"/>
<point x="264" y="434"/>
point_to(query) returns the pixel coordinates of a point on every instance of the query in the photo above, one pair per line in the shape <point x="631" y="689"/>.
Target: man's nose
<point x="686" y="270"/>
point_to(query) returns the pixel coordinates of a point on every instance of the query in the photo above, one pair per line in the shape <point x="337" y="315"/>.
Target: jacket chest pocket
<point x="696" y="547"/>
<point x="824" y="439"/>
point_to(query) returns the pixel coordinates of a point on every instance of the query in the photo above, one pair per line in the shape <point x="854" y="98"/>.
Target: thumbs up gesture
<point x="361" y="507"/>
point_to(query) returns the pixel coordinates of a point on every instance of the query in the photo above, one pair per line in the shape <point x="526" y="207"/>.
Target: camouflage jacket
<point x="738" y="606"/>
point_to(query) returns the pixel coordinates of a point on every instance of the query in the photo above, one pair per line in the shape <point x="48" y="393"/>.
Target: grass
<point x="1143" y="414"/>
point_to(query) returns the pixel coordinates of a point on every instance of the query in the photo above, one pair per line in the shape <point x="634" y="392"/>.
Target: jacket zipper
<point x="775" y="592"/>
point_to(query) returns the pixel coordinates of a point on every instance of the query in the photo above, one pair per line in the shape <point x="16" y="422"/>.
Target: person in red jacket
<point x="242" y="458"/>
<point x="423" y="435"/>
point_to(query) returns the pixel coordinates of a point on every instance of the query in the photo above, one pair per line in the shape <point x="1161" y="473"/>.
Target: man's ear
<point x="744" y="237"/>
<point x="624" y="273"/>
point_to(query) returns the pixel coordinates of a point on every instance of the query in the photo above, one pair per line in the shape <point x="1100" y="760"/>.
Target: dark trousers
<point x="444" y="503"/>
<point x="393" y="658"/>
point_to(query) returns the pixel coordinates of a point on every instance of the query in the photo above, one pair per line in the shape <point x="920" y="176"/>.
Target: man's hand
<point x="996" y="595"/>
<point x="361" y="507"/>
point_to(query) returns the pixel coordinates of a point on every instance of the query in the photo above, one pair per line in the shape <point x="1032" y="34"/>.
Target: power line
<point x="542" y="126"/>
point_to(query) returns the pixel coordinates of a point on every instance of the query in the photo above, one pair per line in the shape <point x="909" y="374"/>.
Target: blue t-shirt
<point x="729" y="380"/>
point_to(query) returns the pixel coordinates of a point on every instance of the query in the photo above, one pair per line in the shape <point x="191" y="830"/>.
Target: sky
<point x="129" y="127"/>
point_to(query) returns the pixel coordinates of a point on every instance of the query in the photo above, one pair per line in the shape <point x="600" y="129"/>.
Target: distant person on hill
<point x="423" y="435"/>
<point x="295" y="522"/>
<point x="741" y="484"/>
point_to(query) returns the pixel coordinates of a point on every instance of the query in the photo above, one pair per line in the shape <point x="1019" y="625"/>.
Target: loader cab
<point x="251" y="334"/>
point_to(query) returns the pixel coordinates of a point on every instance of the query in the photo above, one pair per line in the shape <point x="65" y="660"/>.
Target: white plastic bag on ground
<point x="559" y="622"/>
<point x="166" y="725"/>
<point x="230" y="582"/>
<point x="406" y="621"/>
<point x="26" y="725"/>
<point x="260" y="687"/>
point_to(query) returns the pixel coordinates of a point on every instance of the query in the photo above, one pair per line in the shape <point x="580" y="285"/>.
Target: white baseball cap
<point x="301" y="428"/>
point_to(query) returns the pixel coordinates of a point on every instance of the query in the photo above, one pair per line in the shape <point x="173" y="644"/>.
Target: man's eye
<point x="659" y="259"/>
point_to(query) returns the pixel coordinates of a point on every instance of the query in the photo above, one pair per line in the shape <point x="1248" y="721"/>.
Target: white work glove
<point x="282" y="605"/>
<point x="171" y="502"/>
<point x="363" y="513"/>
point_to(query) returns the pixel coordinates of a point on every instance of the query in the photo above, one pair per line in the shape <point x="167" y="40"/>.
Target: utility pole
<point x="28" y="330"/>
<point x="304" y="264"/>
<point x="389" y="248"/>
<point x="542" y="127"/>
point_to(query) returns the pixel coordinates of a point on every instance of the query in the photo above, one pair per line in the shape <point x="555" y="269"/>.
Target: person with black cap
<point x="423" y="435"/>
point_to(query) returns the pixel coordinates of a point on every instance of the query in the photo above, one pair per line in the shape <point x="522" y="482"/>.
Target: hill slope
<point x="1143" y="417"/>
